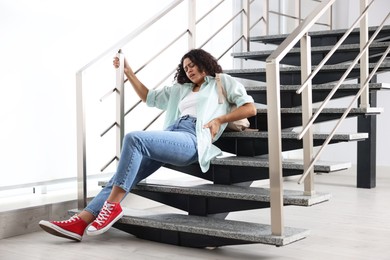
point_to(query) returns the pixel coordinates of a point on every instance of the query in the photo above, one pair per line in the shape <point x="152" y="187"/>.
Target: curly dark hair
<point x="205" y="62"/>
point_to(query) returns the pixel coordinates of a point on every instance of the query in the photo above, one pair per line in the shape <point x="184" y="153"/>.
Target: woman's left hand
<point x="214" y="126"/>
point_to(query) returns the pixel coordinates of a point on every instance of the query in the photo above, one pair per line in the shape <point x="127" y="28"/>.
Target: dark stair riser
<point x="291" y="99"/>
<point x="257" y="146"/>
<point x="344" y="55"/>
<point x="289" y="120"/>
<point x="200" y="205"/>
<point x="178" y="238"/>
<point x="228" y="174"/>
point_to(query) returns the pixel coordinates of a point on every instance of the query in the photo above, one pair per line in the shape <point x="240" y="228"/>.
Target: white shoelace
<point x="104" y="213"/>
<point x="72" y="219"/>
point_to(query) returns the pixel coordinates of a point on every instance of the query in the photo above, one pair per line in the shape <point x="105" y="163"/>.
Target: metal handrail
<point x="135" y="105"/>
<point x="302" y="29"/>
<point x="345" y="114"/>
<point x="342" y="79"/>
<point x="332" y="51"/>
<point x="274" y="118"/>
<point x="133" y="34"/>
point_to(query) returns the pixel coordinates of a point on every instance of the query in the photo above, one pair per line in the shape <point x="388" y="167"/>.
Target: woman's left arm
<point x="244" y="111"/>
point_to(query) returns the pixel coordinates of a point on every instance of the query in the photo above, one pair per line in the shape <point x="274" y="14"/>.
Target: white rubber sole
<point x="57" y="231"/>
<point x="91" y="231"/>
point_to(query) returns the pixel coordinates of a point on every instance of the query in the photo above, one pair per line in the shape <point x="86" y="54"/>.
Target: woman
<point x="194" y="120"/>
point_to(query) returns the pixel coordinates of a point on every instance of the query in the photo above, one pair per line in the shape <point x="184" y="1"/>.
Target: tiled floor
<point x="354" y="224"/>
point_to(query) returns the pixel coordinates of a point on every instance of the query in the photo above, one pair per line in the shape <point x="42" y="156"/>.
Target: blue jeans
<point x="143" y="152"/>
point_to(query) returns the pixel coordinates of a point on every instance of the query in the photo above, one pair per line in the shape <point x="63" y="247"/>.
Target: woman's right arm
<point x="139" y="88"/>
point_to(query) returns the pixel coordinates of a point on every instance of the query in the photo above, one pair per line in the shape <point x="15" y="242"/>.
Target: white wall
<point x="43" y="44"/>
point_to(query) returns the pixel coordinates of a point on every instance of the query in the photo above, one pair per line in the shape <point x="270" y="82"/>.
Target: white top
<point x="187" y="105"/>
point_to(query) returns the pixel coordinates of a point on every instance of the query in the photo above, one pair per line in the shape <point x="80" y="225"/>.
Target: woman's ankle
<point x="87" y="216"/>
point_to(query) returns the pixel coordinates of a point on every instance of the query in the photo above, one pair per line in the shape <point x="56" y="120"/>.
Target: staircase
<point x="200" y="220"/>
<point x="199" y="228"/>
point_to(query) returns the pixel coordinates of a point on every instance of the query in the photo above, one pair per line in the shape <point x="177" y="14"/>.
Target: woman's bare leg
<point x="116" y="195"/>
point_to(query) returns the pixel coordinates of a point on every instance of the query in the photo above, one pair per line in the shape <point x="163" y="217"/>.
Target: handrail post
<point x="120" y="105"/>
<point x="307" y="112"/>
<point x="81" y="146"/>
<point x="364" y="99"/>
<point x="266" y="15"/>
<point x="246" y="23"/>
<point x="191" y="24"/>
<point x="275" y="147"/>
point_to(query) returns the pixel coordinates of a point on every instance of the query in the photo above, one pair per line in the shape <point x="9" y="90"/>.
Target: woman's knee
<point x="130" y="139"/>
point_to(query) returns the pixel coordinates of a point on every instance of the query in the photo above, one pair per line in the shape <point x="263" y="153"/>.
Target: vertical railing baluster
<point x="81" y="144"/>
<point x="246" y="23"/>
<point x="266" y="15"/>
<point x="307" y="112"/>
<point x="191" y="24"/>
<point x="120" y="105"/>
<point x="364" y="99"/>
<point x="275" y="147"/>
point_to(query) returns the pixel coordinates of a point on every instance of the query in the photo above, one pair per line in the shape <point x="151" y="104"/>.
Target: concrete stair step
<point x="292" y="117"/>
<point x="197" y="231"/>
<point x="328" y="37"/>
<point x="296" y="164"/>
<point x="292" y="75"/>
<point x="255" y="143"/>
<point x="344" y="53"/>
<point x="289" y="97"/>
<point x="237" y="169"/>
<point x="231" y="192"/>
<point x="321" y="87"/>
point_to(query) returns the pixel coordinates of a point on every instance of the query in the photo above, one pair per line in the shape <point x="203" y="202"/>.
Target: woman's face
<point x="192" y="72"/>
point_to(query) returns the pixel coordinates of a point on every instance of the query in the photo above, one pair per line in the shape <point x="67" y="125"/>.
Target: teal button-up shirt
<point x="208" y="108"/>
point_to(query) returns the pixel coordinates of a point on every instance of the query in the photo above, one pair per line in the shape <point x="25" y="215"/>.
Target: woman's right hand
<point x="139" y="88"/>
<point x="116" y="64"/>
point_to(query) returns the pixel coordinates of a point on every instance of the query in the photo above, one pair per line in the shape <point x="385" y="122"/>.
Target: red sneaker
<point x="72" y="228"/>
<point x="110" y="213"/>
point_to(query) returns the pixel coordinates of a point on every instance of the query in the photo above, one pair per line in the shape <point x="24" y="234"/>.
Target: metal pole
<point x="81" y="147"/>
<point x="275" y="147"/>
<point x="246" y="23"/>
<point x="266" y="15"/>
<point x="120" y="105"/>
<point x="364" y="62"/>
<point x="307" y="112"/>
<point x="191" y="24"/>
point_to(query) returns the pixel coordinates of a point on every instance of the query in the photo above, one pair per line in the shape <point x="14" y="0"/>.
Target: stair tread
<point x="327" y="86"/>
<point x="247" y="231"/>
<point x="291" y="75"/>
<point x="262" y="162"/>
<point x="385" y="65"/>
<point x="294" y="135"/>
<point x="298" y="110"/>
<point x="345" y="47"/>
<point x="290" y="197"/>
<point x="280" y="37"/>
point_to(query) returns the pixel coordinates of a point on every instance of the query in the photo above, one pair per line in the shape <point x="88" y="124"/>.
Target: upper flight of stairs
<point x="197" y="221"/>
